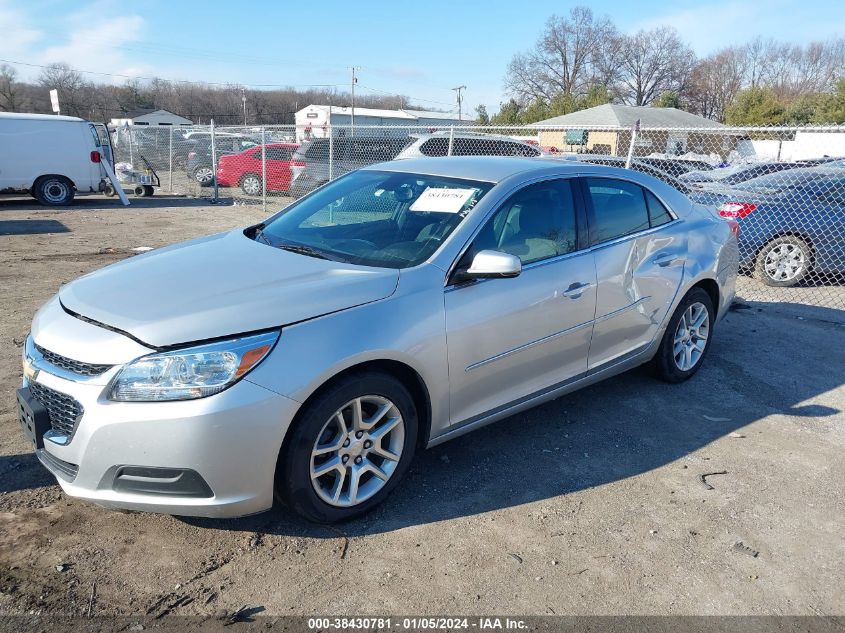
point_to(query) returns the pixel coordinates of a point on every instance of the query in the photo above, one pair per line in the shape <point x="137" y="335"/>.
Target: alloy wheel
<point x="204" y="174"/>
<point x="251" y="185"/>
<point x="357" y="451"/>
<point x="784" y="262"/>
<point x="691" y="335"/>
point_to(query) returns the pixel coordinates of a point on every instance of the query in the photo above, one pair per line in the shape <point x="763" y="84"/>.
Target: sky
<point x="418" y="49"/>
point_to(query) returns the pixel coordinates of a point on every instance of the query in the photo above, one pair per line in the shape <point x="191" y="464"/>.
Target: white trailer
<point x="314" y="121"/>
<point x="52" y="157"/>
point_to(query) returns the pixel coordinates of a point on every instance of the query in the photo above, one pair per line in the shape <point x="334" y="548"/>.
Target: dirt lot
<point x="592" y="504"/>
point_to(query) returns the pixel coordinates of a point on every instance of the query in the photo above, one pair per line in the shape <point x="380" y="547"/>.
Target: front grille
<point x="74" y="366"/>
<point x="64" y="411"/>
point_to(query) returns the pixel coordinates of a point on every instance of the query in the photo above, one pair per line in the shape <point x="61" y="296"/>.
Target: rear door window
<point x="619" y="209"/>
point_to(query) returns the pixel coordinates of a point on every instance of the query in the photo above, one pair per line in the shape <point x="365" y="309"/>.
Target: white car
<point x="466" y="144"/>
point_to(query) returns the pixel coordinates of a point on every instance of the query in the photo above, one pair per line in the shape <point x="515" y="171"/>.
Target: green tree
<point x="831" y="108"/>
<point x="535" y="111"/>
<point x="508" y="114"/>
<point x="756" y="106"/>
<point x="481" y="116"/>
<point x="597" y="95"/>
<point x="667" y="99"/>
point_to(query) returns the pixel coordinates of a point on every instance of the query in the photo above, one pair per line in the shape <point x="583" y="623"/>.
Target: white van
<point x="52" y="157"/>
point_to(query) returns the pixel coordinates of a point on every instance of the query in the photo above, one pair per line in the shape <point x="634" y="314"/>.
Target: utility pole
<point x="243" y="98"/>
<point x="460" y="99"/>
<point x="354" y="81"/>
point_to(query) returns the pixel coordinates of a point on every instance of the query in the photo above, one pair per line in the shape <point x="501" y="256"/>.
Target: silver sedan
<point x="309" y="357"/>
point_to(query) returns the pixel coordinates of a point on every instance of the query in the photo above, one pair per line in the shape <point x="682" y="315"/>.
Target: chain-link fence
<point x="784" y="186"/>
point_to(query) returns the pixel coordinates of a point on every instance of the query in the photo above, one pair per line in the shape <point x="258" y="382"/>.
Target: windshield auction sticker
<point x="435" y="200"/>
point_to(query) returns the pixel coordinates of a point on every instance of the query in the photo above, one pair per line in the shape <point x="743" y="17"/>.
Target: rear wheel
<point x="54" y="191"/>
<point x="687" y="338"/>
<point x="783" y="262"/>
<point x="251" y="184"/>
<point x="349" y="449"/>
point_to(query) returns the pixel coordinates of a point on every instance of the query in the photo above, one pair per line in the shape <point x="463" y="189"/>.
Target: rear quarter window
<point x="437" y="146"/>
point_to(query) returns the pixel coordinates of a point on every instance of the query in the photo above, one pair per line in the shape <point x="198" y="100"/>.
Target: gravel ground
<point x="592" y="504"/>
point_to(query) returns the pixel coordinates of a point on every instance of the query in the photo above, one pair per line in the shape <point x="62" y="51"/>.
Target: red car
<point x="244" y="169"/>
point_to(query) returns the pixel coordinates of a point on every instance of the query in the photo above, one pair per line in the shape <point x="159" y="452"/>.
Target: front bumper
<point x="229" y="442"/>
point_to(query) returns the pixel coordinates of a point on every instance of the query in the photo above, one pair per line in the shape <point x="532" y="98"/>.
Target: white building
<point x="151" y="117"/>
<point x="313" y="121"/>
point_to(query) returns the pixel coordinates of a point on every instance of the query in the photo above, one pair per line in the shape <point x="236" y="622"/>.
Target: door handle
<point x="575" y="290"/>
<point x="665" y="260"/>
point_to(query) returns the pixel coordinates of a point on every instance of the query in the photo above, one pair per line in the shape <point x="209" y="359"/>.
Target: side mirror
<point x="492" y="265"/>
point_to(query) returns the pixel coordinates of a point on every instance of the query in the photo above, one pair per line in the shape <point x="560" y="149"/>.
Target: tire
<point x="53" y="191"/>
<point x="784" y="262"/>
<point x="204" y="175"/>
<point x="680" y="354"/>
<point x="109" y="191"/>
<point x="148" y="191"/>
<point x="322" y="500"/>
<point x="251" y="184"/>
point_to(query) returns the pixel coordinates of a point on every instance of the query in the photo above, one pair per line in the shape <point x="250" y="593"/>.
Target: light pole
<point x="243" y="98"/>
<point x="460" y="99"/>
<point x="354" y="81"/>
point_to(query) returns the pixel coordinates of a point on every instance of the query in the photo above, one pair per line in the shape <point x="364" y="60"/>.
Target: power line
<point x="393" y="94"/>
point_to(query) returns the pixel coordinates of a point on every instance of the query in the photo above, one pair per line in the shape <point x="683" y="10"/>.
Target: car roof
<point x="485" y="168"/>
<point x="457" y="134"/>
<point x="496" y="169"/>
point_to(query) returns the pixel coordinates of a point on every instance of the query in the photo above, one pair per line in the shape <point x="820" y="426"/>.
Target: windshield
<point x="374" y="218"/>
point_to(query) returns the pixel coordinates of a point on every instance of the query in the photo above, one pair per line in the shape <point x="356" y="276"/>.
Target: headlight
<point x="193" y="372"/>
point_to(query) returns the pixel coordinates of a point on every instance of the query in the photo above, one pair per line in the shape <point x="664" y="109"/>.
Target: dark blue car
<point x="792" y="224"/>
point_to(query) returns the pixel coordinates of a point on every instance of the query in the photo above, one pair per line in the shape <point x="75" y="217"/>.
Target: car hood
<point x="219" y="285"/>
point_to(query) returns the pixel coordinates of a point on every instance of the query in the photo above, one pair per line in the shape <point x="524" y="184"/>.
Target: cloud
<point x="74" y="38"/>
<point x="86" y="48"/>
<point x="709" y="27"/>
<point x="19" y="36"/>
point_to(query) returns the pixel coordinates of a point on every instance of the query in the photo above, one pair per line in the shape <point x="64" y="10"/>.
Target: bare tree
<point x="69" y="84"/>
<point x="9" y="96"/>
<point x="653" y="62"/>
<point x="715" y="81"/>
<point x="567" y="59"/>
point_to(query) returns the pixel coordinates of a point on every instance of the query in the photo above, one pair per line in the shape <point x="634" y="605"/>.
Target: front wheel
<point x="687" y="338"/>
<point x="349" y="449"/>
<point x="783" y="262"/>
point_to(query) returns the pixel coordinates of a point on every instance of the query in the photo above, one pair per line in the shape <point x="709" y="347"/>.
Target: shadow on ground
<point x="615" y="430"/>
<point x="31" y="227"/>
<point x="23" y="472"/>
<point x="99" y="203"/>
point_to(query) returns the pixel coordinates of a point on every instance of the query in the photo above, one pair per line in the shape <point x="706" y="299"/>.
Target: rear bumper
<point x="227" y="178"/>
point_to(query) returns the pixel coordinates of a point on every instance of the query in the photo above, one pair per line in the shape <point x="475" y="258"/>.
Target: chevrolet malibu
<point x="309" y="357"/>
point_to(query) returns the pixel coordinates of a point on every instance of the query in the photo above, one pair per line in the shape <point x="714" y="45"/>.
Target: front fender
<point x="407" y="327"/>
